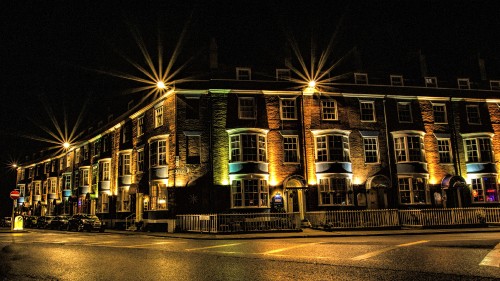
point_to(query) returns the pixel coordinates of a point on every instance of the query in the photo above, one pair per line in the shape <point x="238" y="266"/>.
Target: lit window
<point x="397" y="80"/>
<point x="412" y="190"/>
<point x="124" y="164"/>
<point x="38" y="188"/>
<point x="248" y="147"/>
<point x="431" y="82"/>
<point x="158" y="153"/>
<point x="67" y="181"/>
<point x="478" y="150"/>
<point x="250" y="193"/>
<point x="158" y="197"/>
<point x="360" y="78"/>
<point x="104" y="200"/>
<point x="68" y="160"/>
<point x="371" y="150"/>
<point x="140" y="125"/>
<point x="332" y="148"/>
<point x="85" y="177"/>
<point x="104" y="170"/>
<point x="291" y="149"/>
<point x="367" y="111"/>
<point x="444" y="149"/>
<point x="409" y="149"/>
<point x="439" y="110"/>
<point x="140" y="160"/>
<point x="77" y="156"/>
<point x="123" y="200"/>
<point x="53" y="185"/>
<point x="335" y="191"/>
<point x="243" y="73"/>
<point x="95" y="176"/>
<point x="158" y="116"/>
<point x="246" y="108"/>
<point x="282" y="74"/>
<point x="473" y="116"/>
<point x="329" y="110"/>
<point x="404" y="112"/>
<point x="463" y="83"/>
<point x="484" y="189"/>
<point x="288" y="109"/>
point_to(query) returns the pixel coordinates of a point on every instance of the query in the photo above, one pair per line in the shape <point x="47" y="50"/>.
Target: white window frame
<point x="140" y="125"/>
<point x="241" y="192"/>
<point x="361" y="78"/>
<point x="444" y="150"/>
<point x="362" y="108"/>
<point x="397" y="80"/>
<point x="243" y="73"/>
<point x="410" y="114"/>
<point x="238" y="150"/>
<point x="158" y="158"/>
<point x="291" y="147"/>
<point x="323" y="149"/>
<point x="468" y="112"/>
<point x="124" y="167"/>
<point x="444" y="112"/>
<point x="85" y="177"/>
<point x="158" y="197"/>
<point x="480" y="188"/>
<point x="140" y="160"/>
<point x="463" y="83"/>
<point x="284" y="106"/>
<point x="431" y="82"/>
<point x="283" y="74"/>
<point x="412" y="189"/>
<point x="476" y="147"/>
<point x="106" y="170"/>
<point x="372" y="147"/>
<point x="329" y="111"/>
<point x="402" y="149"/>
<point x="329" y="194"/>
<point x="158" y="116"/>
<point x="246" y="111"/>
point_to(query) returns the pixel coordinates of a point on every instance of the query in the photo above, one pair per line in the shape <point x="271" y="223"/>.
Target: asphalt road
<point x="55" y="255"/>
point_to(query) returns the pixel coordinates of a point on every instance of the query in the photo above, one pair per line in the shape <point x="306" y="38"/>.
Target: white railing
<point x="492" y="215"/>
<point x="130" y="222"/>
<point x="443" y="217"/>
<point x="354" y="219"/>
<point x="226" y="223"/>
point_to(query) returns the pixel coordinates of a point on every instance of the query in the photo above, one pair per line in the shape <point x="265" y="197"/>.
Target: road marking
<point x="492" y="258"/>
<point x="211" y="247"/>
<point x="144" y="245"/>
<point x="288" y="248"/>
<point x="381" y="251"/>
<point x="99" y="243"/>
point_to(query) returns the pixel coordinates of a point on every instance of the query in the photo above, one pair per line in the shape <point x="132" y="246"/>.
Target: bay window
<point x="248" y="147"/>
<point x="335" y="191"/>
<point x="249" y="193"/>
<point x="332" y="148"/>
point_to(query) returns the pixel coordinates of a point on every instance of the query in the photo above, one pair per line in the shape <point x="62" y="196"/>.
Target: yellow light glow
<point x="311" y="84"/>
<point x="273" y="182"/>
<point x="66" y="145"/>
<point x="312" y="182"/>
<point x="14" y="165"/>
<point x="357" y="181"/>
<point x="225" y="182"/>
<point x="160" y="85"/>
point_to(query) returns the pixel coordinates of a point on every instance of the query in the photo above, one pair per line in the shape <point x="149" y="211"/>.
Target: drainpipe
<point x="456" y="157"/>
<point x="303" y="131"/>
<point x="387" y="142"/>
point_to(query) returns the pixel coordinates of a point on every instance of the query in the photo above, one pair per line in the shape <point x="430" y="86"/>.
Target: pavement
<point x="304" y="233"/>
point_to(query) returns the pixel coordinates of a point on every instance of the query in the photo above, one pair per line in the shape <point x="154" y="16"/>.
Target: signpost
<point x="14" y="195"/>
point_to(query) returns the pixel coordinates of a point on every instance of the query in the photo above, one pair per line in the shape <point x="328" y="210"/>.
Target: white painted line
<point x="378" y="252"/>
<point x="211" y="247"/>
<point x="288" y="248"/>
<point x="492" y="258"/>
<point x="145" y="245"/>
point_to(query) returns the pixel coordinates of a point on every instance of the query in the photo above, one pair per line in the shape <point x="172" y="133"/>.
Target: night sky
<point x="52" y="52"/>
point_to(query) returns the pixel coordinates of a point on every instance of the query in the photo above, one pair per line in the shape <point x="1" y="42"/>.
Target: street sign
<point x="14" y="194"/>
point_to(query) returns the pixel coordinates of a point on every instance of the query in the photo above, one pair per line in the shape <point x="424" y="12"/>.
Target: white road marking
<point x="211" y="247"/>
<point x="378" y="252"/>
<point x="492" y="258"/>
<point x="144" y="245"/>
<point x="288" y="248"/>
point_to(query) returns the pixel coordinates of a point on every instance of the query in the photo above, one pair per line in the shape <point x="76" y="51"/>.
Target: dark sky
<point x="50" y="50"/>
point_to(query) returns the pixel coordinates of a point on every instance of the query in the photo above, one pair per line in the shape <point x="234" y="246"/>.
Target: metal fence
<point x="229" y="223"/>
<point x="390" y="218"/>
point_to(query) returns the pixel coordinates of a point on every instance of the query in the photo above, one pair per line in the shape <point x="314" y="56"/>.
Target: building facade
<point x="242" y="145"/>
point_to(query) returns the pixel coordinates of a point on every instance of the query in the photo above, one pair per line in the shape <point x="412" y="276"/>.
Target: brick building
<point x="243" y="145"/>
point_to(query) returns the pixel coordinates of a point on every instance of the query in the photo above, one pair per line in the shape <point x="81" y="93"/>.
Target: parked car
<point x="59" y="222"/>
<point x="7" y="221"/>
<point x="44" y="221"/>
<point x="81" y="222"/>
<point x="30" y="221"/>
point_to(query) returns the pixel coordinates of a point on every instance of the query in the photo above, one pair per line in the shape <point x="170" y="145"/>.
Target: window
<point x="61" y="165"/>
<point x="412" y="190"/>
<point x="409" y="149"/>
<point x="282" y="74"/>
<point x="192" y="107"/>
<point x="463" y="83"/>
<point x="444" y="149"/>
<point x="158" y="153"/>
<point x="243" y="73"/>
<point x="104" y="202"/>
<point x="23" y="174"/>
<point x="473" y="114"/>
<point x="140" y="160"/>
<point x="404" y="112"/>
<point x="360" y="78"/>
<point x="332" y="148"/>
<point x="38" y="188"/>
<point x="431" y="82"/>
<point x="52" y="185"/>
<point x="85" y="177"/>
<point x="439" y="110"/>
<point x="95" y="174"/>
<point x="104" y="170"/>
<point x="371" y="150"/>
<point x="329" y="110"/>
<point x="335" y="191"/>
<point x="248" y="147"/>
<point x="105" y="143"/>
<point x="288" y="109"/>
<point x="247" y="193"/>
<point x="397" y="80"/>
<point x="97" y="147"/>
<point x="246" y="108"/>
<point x="291" y="149"/>
<point x="125" y="134"/>
<point x="159" y="116"/>
<point x="140" y="125"/>
<point x="77" y="156"/>
<point x="478" y="150"/>
<point x="495" y="85"/>
<point x="193" y="149"/>
<point x="124" y="164"/>
<point x="484" y="189"/>
<point x="86" y="152"/>
<point x="367" y="111"/>
<point x="46" y="168"/>
<point x="158" y="197"/>
<point x="68" y="160"/>
<point x="67" y="181"/>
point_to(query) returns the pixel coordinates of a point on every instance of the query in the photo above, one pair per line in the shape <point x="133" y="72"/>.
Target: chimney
<point x="214" y="64"/>
<point x="423" y="64"/>
<point x="482" y="68"/>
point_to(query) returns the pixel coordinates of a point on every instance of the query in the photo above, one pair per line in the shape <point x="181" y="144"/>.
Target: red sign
<point x="14" y="194"/>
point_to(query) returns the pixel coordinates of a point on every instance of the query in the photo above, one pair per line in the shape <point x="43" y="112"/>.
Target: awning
<point x="451" y="181"/>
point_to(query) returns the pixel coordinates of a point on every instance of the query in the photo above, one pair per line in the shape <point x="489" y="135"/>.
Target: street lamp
<point x="66" y="145"/>
<point x="160" y="85"/>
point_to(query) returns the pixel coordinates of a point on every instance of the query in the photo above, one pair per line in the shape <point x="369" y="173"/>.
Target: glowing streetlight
<point x="161" y="85"/>
<point x="311" y="84"/>
<point x="311" y="87"/>
<point x="66" y="145"/>
<point x="14" y="165"/>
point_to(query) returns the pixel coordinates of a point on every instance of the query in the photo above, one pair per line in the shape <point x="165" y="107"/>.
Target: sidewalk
<point x="308" y="233"/>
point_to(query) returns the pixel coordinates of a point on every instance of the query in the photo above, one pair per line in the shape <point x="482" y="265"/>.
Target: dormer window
<point x="431" y="82"/>
<point x="243" y="73"/>
<point x="282" y="74"/>
<point x="397" y="80"/>
<point x="463" y="83"/>
<point x="495" y="85"/>
<point x="361" y="78"/>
